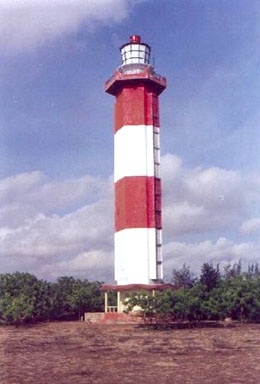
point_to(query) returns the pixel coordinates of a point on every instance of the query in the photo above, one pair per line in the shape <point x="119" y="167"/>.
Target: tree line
<point x="213" y="296"/>
<point x="26" y="299"/>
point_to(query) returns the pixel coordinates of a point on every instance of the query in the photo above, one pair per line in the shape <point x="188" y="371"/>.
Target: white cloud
<point x="201" y="200"/>
<point x="251" y="226"/>
<point x="42" y="231"/>
<point x="96" y="264"/>
<point x="222" y="252"/>
<point x="27" y="24"/>
<point x="55" y="235"/>
<point x="52" y="228"/>
<point x="23" y="196"/>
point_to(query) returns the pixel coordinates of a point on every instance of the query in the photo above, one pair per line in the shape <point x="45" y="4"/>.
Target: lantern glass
<point x="135" y="54"/>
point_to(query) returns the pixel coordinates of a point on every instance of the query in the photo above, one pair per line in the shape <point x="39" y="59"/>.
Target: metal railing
<point x="136" y="69"/>
<point x="112" y="308"/>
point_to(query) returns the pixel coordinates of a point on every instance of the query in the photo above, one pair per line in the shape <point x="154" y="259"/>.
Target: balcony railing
<point x="112" y="308"/>
<point x="142" y="70"/>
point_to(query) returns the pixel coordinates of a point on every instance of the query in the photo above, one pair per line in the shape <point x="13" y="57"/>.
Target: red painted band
<point x="136" y="105"/>
<point x="138" y="203"/>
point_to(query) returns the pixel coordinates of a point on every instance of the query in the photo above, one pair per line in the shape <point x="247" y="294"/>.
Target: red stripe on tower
<point x="136" y="105"/>
<point x="136" y="86"/>
<point x="137" y="203"/>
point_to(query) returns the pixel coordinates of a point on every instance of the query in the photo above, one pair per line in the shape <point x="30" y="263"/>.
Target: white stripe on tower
<point x="136" y="172"/>
<point x="133" y="142"/>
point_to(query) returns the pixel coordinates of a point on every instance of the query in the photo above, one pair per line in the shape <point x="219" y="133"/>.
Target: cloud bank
<point x="28" y="24"/>
<point x="53" y="228"/>
<point x="203" y="199"/>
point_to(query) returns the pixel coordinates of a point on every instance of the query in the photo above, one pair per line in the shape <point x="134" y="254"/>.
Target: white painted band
<point x="135" y="256"/>
<point x="134" y="151"/>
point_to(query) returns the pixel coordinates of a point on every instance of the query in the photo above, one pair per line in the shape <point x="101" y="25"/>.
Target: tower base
<point x="123" y="292"/>
<point x="111" y="318"/>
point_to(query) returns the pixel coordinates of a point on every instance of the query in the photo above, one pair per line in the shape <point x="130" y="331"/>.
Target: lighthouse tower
<point x="138" y="224"/>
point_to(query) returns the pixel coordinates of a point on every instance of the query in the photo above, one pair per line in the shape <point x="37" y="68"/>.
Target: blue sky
<point x="56" y="138"/>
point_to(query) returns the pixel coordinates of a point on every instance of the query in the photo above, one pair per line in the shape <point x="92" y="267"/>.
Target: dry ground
<point x="77" y="353"/>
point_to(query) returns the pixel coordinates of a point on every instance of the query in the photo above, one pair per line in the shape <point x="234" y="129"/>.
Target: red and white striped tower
<point x="138" y="228"/>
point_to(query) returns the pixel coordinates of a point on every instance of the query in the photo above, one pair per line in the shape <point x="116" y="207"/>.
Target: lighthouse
<point x="137" y="181"/>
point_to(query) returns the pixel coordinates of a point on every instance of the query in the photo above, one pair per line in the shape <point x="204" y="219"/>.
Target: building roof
<point x="138" y="287"/>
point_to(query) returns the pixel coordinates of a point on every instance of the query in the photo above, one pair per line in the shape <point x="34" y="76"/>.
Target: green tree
<point x="210" y="276"/>
<point x="232" y="271"/>
<point x="75" y="296"/>
<point x="183" y="278"/>
<point x="242" y="298"/>
<point x="253" y="270"/>
<point x="15" y="310"/>
<point x="22" y="298"/>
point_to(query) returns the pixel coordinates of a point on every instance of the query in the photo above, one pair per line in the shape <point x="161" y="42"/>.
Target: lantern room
<point x="135" y="52"/>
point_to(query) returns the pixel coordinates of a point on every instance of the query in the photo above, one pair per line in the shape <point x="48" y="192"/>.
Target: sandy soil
<point x="77" y="353"/>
